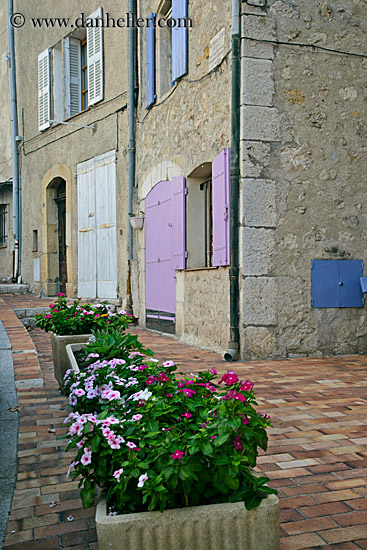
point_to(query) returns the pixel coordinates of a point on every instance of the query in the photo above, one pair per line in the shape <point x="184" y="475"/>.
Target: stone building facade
<point x="6" y="195"/>
<point x="303" y="139"/>
<point x="73" y="154"/>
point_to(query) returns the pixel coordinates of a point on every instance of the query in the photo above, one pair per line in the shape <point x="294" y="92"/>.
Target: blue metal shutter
<point x="336" y="283"/>
<point x="150" y="59"/>
<point x="179" y="40"/>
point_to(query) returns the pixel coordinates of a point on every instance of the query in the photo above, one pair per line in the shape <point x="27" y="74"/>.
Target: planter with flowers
<point x="182" y="445"/>
<point x="71" y="323"/>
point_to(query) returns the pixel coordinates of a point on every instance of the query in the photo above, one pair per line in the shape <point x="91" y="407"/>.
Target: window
<point x="67" y="89"/>
<point x="164" y="53"/>
<point x="3" y="229"/>
<point x="166" y="48"/>
<point x="207" y="213"/>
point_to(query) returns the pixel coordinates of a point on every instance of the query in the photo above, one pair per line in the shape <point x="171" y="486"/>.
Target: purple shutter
<point x="160" y="282"/>
<point x="221" y="198"/>
<point x="178" y="217"/>
<point x="150" y="62"/>
<point x="179" y="39"/>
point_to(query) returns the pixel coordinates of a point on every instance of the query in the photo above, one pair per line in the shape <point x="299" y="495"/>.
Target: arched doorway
<point x="60" y="201"/>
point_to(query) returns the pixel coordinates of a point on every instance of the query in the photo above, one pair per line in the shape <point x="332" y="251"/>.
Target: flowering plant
<point x="152" y="440"/>
<point x="65" y="318"/>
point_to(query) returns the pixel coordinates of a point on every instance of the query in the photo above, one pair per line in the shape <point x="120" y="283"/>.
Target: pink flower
<point x="118" y="473"/>
<point x="187" y="392"/>
<point x="237" y="443"/>
<point x="163" y="378"/>
<point x="142" y="479"/>
<point x="240" y="397"/>
<point x="186" y="415"/>
<point x="91" y="394"/>
<point x="72" y="400"/>
<point x="177" y="454"/>
<point x="114" y="444"/>
<point x="229" y="378"/>
<point x="245" y="420"/>
<point x="150" y="380"/>
<point x="137" y="417"/>
<point x="131" y="445"/>
<point x="246" y="385"/>
<point x="213" y="436"/>
<point x="79" y="392"/>
<point x="168" y="364"/>
<point x="60" y="294"/>
<point x="86" y="459"/>
<point x="213" y="371"/>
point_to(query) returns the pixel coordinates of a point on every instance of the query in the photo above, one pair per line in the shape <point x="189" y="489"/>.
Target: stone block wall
<point x="303" y="141"/>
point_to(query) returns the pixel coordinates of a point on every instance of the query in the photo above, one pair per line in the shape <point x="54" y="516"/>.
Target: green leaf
<point x="218" y="441"/>
<point x="206" y="448"/>
<point x="94" y="444"/>
<point x="87" y="494"/>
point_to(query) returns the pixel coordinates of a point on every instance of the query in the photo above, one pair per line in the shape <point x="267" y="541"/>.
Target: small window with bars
<point x="3" y="232"/>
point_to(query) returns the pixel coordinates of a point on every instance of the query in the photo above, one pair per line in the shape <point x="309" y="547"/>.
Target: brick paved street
<point x="317" y="457"/>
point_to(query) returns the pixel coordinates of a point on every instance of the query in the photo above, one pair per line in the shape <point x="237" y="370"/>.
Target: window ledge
<point x="201" y="268"/>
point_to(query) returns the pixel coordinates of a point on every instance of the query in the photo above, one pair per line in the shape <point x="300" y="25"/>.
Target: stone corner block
<point x="260" y="123"/>
<point x="259" y="203"/>
<point x="259" y="301"/>
<point x="257" y="82"/>
<point x="257" y="251"/>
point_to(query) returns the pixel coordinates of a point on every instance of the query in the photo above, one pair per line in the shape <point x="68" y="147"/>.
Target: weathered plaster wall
<point x="202" y="314"/>
<point x="187" y="127"/>
<point x="303" y="172"/>
<point x="6" y="260"/>
<point x="65" y="146"/>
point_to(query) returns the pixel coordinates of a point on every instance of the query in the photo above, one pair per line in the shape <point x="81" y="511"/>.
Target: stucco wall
<point x="63" y="147"/>
<point x="303" y="173"/>
<point x="6" y="259"/>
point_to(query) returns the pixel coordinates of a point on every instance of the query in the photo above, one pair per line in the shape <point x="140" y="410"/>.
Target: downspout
<point x="131" y="146"/>
<point x="234" y="343"/>
<point x="14" y="141"/>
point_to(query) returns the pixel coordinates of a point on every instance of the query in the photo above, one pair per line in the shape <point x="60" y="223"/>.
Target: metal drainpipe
<point x="14" y="134"/>
<point x="131" y="147"/>
<point x="234" y="343"/>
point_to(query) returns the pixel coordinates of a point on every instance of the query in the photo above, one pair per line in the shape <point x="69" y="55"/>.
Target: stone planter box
<point x="58" y="344"/>
<point x="213" y="527"/>
<point x="70" y="355"/>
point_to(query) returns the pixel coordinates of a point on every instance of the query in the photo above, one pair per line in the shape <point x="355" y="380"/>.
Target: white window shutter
<point x="73" y="93"/>
<point x="44" y="107"/>
<point x="95" y="59"/>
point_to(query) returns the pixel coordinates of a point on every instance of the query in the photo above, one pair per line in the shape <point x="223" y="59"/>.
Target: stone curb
<point x="9" y="421"/>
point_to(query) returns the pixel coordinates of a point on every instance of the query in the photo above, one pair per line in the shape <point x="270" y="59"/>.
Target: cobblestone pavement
<point x="317" y="457"/>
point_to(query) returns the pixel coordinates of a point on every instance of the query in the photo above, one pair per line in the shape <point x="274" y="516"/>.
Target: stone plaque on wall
<point x="216" y="49"/>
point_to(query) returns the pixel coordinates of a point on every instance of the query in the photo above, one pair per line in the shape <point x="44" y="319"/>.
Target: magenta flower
<point x="245" y="420"/>
<point x="237" y="443"/>
<point x="163" y="378"/>
<point x="177" y="454"/>
<point x="150" y="380"/>
<point x="186" y="415"/>
<point x="229" y="378"/>
<point x="213" y="371"/>
<point x="246" y="385"/>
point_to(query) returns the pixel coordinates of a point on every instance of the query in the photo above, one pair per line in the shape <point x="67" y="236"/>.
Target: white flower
<point x="142" y="479"/>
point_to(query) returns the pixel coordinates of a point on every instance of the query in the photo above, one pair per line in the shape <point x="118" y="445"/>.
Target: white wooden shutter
<point x="44" y="110"/>
<point x="73" y="93"/>
<point x="87" y="244"/>
<point x="105" y="181"/>
<point x="95" y="59"/>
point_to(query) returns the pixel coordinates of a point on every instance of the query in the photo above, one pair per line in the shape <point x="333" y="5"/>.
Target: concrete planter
<point x="71" y="349"/>
<point x="59" y="344"/>
<point x="213" y="527"/>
